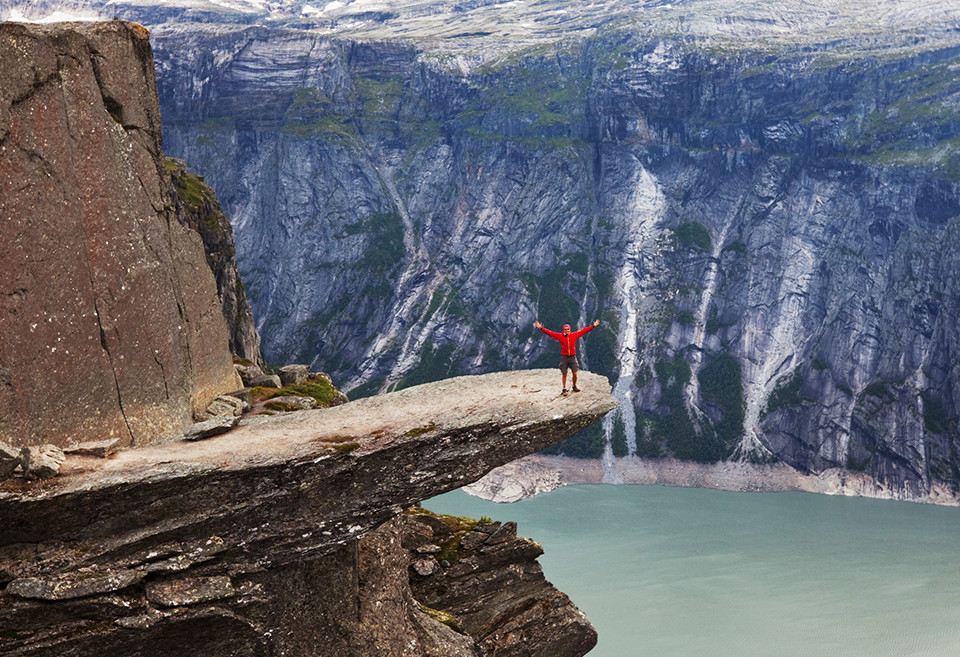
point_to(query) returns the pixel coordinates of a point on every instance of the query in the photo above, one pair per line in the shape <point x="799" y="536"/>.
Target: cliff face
<point x="765" y="221"/>
<point x="111" y="323"/>
<point x="198" y="208"/>
<point x="282" y="536"/>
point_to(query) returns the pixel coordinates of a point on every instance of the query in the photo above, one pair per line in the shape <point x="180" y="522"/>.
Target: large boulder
<point x="109" y="313"/>
<point x="291" y="375"/>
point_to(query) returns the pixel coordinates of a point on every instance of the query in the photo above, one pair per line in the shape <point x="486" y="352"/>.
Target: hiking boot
<point x="564" y="393"/>
<point x="576" y="389"/>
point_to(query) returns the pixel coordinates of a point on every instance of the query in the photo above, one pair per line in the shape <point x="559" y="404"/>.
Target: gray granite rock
<point x="9" y="460"/>
<point x="291" y="403"/>
<point x="265" y="381"/>
<point x="41" y="461"/>
<point x="248" y="373"/>
<point x="212" y="427"/>
<point x="291" y="375"/>
<point x="280" y="528"/>
<point x="225" y="405"/>
<point x="99" y="448"/>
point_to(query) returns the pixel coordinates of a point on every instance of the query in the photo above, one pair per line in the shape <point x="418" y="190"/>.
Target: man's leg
<point x="563" y="378"/>
<point x="575" y="388"/>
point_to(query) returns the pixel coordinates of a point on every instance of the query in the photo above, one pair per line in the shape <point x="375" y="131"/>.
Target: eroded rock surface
<point x="109" y="313"/>
<point x="231" y="537"/>
<point x="488" y="579"/>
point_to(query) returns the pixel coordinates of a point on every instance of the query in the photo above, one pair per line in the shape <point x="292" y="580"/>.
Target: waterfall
<point x="777" y="337"/>
<point x="644" y="210"/>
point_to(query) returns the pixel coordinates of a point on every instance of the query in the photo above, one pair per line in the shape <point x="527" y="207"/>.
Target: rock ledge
<point x="118" y="540"/>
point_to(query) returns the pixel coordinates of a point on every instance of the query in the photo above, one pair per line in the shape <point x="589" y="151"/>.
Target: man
<point x="568" y="351"/>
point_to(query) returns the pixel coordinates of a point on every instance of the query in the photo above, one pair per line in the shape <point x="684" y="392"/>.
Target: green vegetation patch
<point x="435" y="363"/>
<point x="368" y="389"/>
<point x="320" y="389"/>
<point x="879" y="389"/>
<point x="786" y="394"/>
<point x="935" y="416"/>
<point x="588" y="443"/>
<point x="379" y="97"/>
<point x="327" y="127"/>
<point x="192" y="190"/>
<point x="693" y="234"/>
<point x="721" y="384"/>
<point x="283" y="406"/>
<point x="685" y="317"/>
<point x="672" y="426"/>
<point x="449" y="620"/>
<point x="218" y="123"/>
<point x="345" y="448"/>
<point x="738" y="247"/>
<point x="419" y="431"/>
<point x="555" y="305"/>
<point x="383" y="233"/>
<point x="601" y="346"/>
<point x="618" y="437"/>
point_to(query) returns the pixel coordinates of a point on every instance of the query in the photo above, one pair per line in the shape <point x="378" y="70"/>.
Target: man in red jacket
<point x="568" y="351"/>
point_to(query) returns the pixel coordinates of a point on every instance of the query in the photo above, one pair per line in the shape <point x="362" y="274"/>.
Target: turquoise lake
<point x="690" y="572"/>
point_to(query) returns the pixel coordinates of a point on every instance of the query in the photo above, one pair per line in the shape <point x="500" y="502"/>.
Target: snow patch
<point x="17" y="16"/>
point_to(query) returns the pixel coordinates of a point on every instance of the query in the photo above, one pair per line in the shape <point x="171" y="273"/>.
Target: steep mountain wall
<point x="767" y="228"/>
<point x="110" y="318"/>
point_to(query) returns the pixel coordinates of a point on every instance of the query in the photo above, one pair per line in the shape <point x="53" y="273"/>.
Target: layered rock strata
<point x="488" y="579"/>
<point x="220" y="547"/>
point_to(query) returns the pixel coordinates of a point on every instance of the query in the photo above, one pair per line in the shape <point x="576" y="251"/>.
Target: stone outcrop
<point x="199" y="209"/>
<point x="41" y="461"/>
<point x="109" y="314"/>
<point x="265" y="540"/>
<point x="488" y="580"/>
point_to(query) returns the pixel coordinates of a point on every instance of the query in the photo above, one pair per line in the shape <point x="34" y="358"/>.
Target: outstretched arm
<point x="586" y="329"/>
<point x="552" y="334"/>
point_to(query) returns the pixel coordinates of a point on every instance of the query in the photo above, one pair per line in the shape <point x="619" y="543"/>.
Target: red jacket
<point x="568" y="343"/>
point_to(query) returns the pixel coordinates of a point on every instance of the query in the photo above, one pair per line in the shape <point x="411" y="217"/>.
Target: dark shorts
<point x="569" y="363"/>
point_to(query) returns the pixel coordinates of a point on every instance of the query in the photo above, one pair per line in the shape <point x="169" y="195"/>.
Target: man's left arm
<point x="587" y="329"/>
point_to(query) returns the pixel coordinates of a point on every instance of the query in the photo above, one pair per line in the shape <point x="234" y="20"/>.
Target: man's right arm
<point x="552" y="334"/>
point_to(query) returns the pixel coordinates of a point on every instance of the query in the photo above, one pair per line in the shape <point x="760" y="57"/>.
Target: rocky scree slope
<point x="764" y="215"/>
<point x="109" y="313"/>
<point x="286" y="535"/>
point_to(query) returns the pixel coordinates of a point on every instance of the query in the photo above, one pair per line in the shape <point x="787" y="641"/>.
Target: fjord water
<point x="675" y="572"/>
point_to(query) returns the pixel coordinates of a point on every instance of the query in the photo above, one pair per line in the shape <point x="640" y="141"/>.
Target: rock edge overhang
<point x="280" y="489"/>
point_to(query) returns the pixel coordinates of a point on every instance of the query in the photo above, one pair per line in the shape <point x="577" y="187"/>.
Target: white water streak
<point x="778" y="338"/>
<point x="646" y="207"/>
<point x="409" y="294"/>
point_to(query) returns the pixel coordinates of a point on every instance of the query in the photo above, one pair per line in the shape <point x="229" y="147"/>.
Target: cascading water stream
<point x="646" y="206"/>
